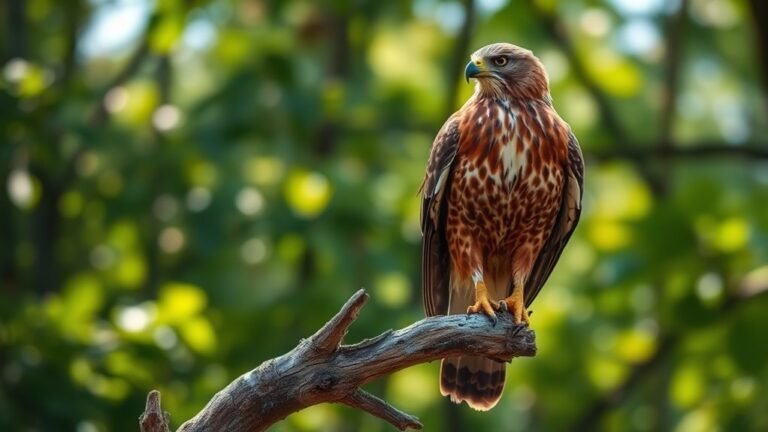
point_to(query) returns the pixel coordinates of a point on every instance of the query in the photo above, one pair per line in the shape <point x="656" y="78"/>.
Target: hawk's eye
<point x="500" y="60"/>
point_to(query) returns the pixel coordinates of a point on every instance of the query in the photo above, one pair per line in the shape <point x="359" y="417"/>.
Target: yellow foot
<point x="483" y="304"/>
<point x="516" y="306"/>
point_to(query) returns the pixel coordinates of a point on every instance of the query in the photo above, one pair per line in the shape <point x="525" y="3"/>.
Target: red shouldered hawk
<point x="501" y="197"/>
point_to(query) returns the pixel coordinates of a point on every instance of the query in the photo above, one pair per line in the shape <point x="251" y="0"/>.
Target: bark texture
<point x="321" y="369"/>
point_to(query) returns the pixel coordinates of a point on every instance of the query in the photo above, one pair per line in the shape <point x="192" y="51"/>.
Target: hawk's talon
<point x="484" y="305"/>
<point x="517" y="309"/>
<point x="503" y="306"/>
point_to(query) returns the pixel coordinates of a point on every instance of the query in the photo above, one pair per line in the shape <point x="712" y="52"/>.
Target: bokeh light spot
<point x="116" y="99"/>
<point x="180" y="301"/>
<point x="166" y="117"/>
<point x="307" y="193"/>
<point x="23" y="189"/>
<point x="249" y="201"/>
<point x="393" y="289"/>
<point x="732" y="234"/>
<point x="688" y="385"/>
<point x="165" y="337"/>
<point x="595" y="22"/>
<point x="165" y="208"/>
<point x="254" y="251"/>
<point x="136" y="318"/>
<point x="401" y="385"/>
<point x="263" y="170"/>
<point x="198" y="333"/>
<point x="171" y="240"/>
<point x="198" y="199"/>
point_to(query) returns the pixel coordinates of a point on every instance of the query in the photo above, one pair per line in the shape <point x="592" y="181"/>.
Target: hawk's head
<point x="506" y="70"/>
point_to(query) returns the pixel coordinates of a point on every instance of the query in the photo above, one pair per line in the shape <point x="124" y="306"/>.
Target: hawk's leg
<point x="483" y="303"/>
<point x="515" y="304"/>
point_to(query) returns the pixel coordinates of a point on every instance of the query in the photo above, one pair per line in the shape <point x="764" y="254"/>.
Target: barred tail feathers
<point x="478" y="381"/>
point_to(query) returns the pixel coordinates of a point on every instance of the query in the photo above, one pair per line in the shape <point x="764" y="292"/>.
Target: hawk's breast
<point x="505" y="191"/>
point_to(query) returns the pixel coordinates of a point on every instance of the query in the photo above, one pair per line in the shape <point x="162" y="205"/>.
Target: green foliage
<point x="187" y="203"/>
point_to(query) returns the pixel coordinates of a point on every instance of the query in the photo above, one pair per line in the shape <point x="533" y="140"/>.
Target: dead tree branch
<point x="320" y="369"/>
<point x="154" y="419"/>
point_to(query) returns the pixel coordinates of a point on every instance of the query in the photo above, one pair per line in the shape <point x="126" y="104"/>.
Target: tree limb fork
<point x="320" y="369"/>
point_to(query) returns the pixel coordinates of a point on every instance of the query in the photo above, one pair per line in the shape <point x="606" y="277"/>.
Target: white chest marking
<point x="512" y="163"/>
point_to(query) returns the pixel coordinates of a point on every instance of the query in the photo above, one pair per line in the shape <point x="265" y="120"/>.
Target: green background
<point x="190" y="187"/>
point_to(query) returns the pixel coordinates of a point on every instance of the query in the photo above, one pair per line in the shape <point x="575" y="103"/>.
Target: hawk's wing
<point x="435" y="259"/>
<point x="567" y="218"/>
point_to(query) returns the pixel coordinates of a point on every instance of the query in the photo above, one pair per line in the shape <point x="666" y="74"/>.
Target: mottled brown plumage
<point x="501" y="197"/>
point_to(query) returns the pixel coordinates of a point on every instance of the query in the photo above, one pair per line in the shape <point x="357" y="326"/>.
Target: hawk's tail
<point x="478" y="381"/>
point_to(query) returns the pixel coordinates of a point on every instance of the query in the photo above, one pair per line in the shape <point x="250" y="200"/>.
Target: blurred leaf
<point x="199" y="334"/>
<point x="688" y="385"/>
<point x="307" y="193"/>
<point x="179" y="302"/>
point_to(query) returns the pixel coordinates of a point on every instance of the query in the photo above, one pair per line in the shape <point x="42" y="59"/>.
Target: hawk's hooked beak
<point x="474" y="68"/>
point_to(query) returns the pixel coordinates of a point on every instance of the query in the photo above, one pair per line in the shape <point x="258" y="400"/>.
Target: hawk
<point x="500" y="199"/>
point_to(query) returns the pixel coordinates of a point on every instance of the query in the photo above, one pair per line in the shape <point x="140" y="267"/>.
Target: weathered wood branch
<point x="320" y="369"/>
<point x="154" y="419"/>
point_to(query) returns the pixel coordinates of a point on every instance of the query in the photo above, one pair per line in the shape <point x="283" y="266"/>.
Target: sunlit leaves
<point x="83" y="373"/>
<point x="688" y="385"/>
<point x="609" y="235"/>
<point x="178" y="302"/>
<point x="25" y="79"/>
<point x="604" y="372"/>
<point x="76" y="307"/>
<point x="619" y="193"/>
<point x="167" y="32"/>
<point x="401" y="58"/>
<point x="180" y="305"/>
<point x="620" y="197"/>
<point x="700" y="419"/>
<point x="126" y="265"/>
<point x="199" y="335"/>
<point x="307" y="193"/>
<point x="392" y="289"/>
<point x="617" y="75"/>
<point x="635" y="345"/>
<point x="139" y="100"/>
<point x="580" y="110"/>
<point x="263" y="170"/>
<point x="203" y="231"/>
<point x="731" y="235"/>
<point x="314" y="418"/>
<point x="405" y="63"/>
<point x="727" y="236"/>
<point x="123" y="363"/>
<point x="232" y="47"/>
<point x="402" y="386"/>
<point x="201" y="173"/>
